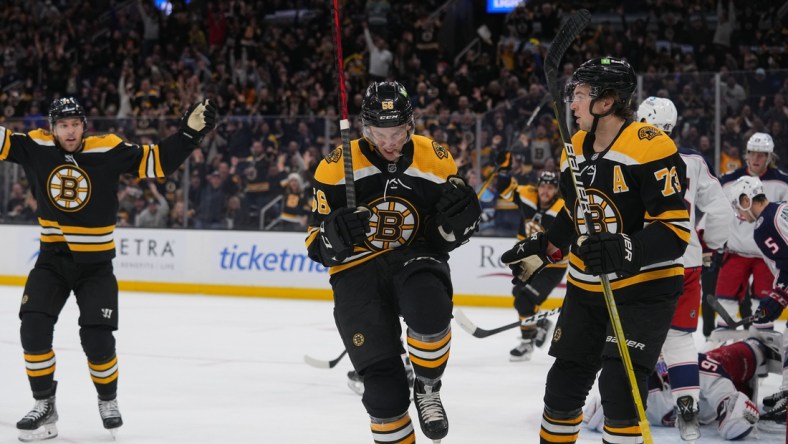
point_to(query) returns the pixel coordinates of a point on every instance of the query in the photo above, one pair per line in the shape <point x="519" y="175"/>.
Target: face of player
<point x="757" y="162"/>
<point x="579" y="106"/>
<point x="546" y="192"/>
<point x="68" y="133"/>
<point x="389" y="141"/>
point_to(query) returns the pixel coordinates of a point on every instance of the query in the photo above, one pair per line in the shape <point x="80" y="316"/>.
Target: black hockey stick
<point x="319" y="363"/>
<point x="715" y="304"/>
<point x="479" y="332"/>
<point x="568" y="32"/>
<point x="344" y="124"/>
<point x="545" y="99"/>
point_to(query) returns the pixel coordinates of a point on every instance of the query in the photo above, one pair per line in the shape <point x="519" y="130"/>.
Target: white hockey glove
<point x="199" y="120"/>
<point x="528" y="257"/>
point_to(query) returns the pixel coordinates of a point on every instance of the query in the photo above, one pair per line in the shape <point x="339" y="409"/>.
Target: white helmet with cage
<point x="760" y="143"/>
<point x="658" y="112"/>
<point x="749" y="186"/>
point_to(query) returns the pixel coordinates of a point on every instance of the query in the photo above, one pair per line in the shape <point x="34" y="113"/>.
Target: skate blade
<point x="771" y="427"/>
<point x="46" y="431"/>
<point x="523" y="358"/>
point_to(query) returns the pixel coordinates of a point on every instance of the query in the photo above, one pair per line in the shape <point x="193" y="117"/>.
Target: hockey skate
<point x="432" y="416"/>
<point x="39" y="423"/>
<point x="523" y="351"/>
<point x="773" y="399"/>
<point x="110" y="415"/>
<point x="773" y="420"/>
<point x="687" y="419"/>
<point x="543" y="327"/>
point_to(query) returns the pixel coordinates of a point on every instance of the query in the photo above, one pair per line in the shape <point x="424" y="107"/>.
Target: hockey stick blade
<point x="478" y="332"/>
<point x="320" y="363"/>
<point x="715" y="304"/>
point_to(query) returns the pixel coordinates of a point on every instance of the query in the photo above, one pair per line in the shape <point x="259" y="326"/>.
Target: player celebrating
<point x="75" y="180"/>
<point x="388" y="258"/>
<point x="748" y="197"/>
<point x="703" y="191"/>
<point x="539" y="205"/>
<point x="631" y="173"/>
<point x="743" y="258"/>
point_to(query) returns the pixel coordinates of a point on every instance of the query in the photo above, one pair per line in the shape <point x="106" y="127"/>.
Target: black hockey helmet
<point x="547" y="177"/>
<point x="605" y="75"/>
<point x="385" y="105"/>
<point x="65" y="107"/>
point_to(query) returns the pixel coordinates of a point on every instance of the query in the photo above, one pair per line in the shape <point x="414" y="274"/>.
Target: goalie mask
<point x="658" y="112"/>
<point x="606" y="77"/>
<point x="386" y="105"/>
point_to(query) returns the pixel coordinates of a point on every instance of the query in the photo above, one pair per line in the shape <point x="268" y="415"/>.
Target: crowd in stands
<point x="271" y="68"/>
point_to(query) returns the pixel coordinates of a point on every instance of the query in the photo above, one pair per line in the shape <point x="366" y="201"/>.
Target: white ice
<point x="200" y="369"/>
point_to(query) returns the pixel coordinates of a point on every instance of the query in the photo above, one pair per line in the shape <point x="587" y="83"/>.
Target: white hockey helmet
<point x="749" y="186"/>
<point x="760" y="143"/>
<point x="658" y="112"/>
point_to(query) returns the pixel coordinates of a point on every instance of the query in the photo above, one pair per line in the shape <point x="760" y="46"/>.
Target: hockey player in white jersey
<point x="726" y="378"/>
<point x="770" y="235"/>
<point x="704" y="192"/>
<point x="743" y="257"/>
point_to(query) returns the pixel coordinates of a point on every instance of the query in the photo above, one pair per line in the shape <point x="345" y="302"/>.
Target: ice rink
<point x="199" y="369"/>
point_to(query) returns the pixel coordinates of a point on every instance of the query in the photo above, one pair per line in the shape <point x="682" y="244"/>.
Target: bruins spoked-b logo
<point x="334" y="155"/>
<point x="393" y="223"/>
<point x="604" y="214"/>
<point x="69" y="188"/>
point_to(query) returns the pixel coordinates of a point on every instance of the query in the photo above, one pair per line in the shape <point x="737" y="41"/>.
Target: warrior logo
<point x="393" y="223"/>
<point x="603" y="214"/>
<point x="69" y="188"/>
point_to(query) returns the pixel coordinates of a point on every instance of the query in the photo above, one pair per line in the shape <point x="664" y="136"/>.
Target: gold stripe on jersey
<point x="334" y="171"/>
<point x="150" y="164"/>
<point x="42" y="137"/>
<point x="83" y="239"/>
<point x="338" y="268"/>
<point x="681" y="232"/>
<point x="101" y="143"/>
<point x="5" y="143"/>
<point x="430" y="161"/>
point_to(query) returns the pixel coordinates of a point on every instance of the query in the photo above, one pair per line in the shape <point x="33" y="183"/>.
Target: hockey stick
<point x="715" y="304"/>
<point x="319" y="363"/>
<point x="487" y="182"/>
<point x="538" y="108"/>
<point x="344" y="124"/>
<point x="568" y="32"/>
<point x="479" y="332"/>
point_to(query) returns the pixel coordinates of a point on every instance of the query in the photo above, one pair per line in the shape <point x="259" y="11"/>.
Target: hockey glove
<point x="343" y="229"/>
<point x="605" y="253"/>
<point x="770" y="308"/>
<point x="503" y="161"/>
<point x="457" y="211"/>
<point x="199" y="120"/>
<point x="528" y="257"/>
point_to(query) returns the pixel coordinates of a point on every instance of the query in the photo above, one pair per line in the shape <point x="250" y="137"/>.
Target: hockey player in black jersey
<point x="75" y="178"/>
<point x="388" y="258"/>
<point x="631" y="173"/>
<point x="538" y="205"/>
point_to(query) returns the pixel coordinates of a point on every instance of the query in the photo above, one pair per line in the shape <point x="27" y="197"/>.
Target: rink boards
<point x="254" y="263"/>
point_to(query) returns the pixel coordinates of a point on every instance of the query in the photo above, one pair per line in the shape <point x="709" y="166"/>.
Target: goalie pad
<point x="593" y="416"/>
<point x="736" y="416"/>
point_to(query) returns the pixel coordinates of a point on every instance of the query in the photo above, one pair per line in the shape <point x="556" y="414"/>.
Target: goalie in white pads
<point x="726" y="379"/>
<point x="702" y="191"/>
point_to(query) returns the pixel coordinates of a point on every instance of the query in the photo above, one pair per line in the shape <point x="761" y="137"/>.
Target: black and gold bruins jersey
<point x="633" y="187"/>
<point x="535" y="218"/>
<point x="77" y="192"/>
<point x="399" y="194"/>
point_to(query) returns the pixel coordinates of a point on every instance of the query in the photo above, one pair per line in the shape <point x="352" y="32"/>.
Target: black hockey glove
<point x="457" y="211"/>
<point x="605" y="253"/>
<point x="528" y="257"/>
<point x="503" y="160"/>
<point x="770" y="308"/>
<point x="199" y="120"/>
<point x="343" y="229"/>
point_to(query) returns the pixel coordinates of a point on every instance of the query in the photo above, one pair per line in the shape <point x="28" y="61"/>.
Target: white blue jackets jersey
<point x="77" y="192"/>
<point x="704" y="192"/>
<point x="771" y="236"/>
<point x="775" y="187"/>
